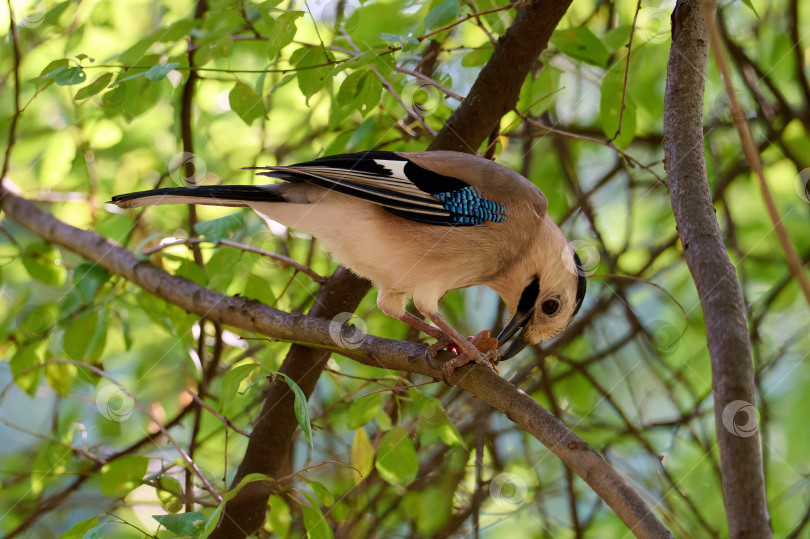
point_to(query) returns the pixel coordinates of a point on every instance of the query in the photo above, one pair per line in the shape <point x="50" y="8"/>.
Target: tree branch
<point x="715" y="277"/>
<point x="253" y="316"/>
<point x="497" y="87"/>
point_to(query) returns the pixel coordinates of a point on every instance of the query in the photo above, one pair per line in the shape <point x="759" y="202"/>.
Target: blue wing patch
<point x="467" y="207"/>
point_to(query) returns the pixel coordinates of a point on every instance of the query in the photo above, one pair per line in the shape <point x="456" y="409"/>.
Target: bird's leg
<point x="442" y="339"/>
<point x="393" y="304"/>
<point x="468" y="350"/>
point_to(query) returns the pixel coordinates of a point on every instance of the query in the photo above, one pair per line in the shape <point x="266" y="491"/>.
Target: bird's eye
<point x="550" y="306"/>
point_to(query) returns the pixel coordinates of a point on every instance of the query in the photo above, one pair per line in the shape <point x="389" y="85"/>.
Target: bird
<point x="418" y="224"/>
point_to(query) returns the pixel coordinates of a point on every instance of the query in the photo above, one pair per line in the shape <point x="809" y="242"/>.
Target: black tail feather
<point x="249" y="193"/>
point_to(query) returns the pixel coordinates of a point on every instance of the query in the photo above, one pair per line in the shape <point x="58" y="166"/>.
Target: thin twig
<point x="754" y="160"/>
<point x="275" y="256"/>
<point x="222" y="418"/>
<point x="472" y="16"/>
<point x="627" y="72"/>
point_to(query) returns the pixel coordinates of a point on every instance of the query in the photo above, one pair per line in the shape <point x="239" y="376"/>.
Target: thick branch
<point x="253" y="316"/>
<point x="714" y="276"/>
<point x="497" y="87"/>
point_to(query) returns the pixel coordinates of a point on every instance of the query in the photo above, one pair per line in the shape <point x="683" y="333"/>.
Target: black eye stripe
<point x="529" y="296"/>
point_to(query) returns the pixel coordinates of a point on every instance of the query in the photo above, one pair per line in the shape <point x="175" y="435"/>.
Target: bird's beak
<point x="509" y="340"/>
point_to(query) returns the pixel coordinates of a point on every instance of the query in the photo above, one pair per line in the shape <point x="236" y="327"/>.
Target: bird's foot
<point x="484" y="351"/>
<point x="434" y="349"/>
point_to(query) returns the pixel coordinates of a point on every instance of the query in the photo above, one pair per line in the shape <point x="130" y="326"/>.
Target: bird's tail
<point x="211" y="195"/>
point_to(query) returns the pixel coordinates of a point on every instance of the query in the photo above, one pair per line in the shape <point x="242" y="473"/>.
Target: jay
<point x="418" y="225"/>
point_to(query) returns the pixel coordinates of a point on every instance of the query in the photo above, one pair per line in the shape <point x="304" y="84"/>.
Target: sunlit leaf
<point x="44" y="263"/>
<point x="283" y="32"/>
<point x="245" y="102"/>
<point x="442" y="15"/>
<point x="362" y="455"/>
<point x="122" y="475"/>
<point x="397" y="462"/>
<point x="182" y="524"/>
<point x="301" y="410"/>
<point x="581" y="44"/>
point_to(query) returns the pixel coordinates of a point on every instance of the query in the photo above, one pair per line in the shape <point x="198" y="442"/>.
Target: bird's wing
<point x="399" y="185"/>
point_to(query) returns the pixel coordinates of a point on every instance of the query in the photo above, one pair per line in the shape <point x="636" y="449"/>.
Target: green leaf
<point x="121" y="476"/>
<point x="60" y="377"/>
<point x="246" y="103"/>
<point x="279" y="517"/>
<point x="406" y="43"/>
<point x="189" y="269"/>
<point x="580" y="44"/>
<point x="362" y="410"/>
<point x="80" y="529"/>
<point x="159" y="71"/>
<point x="178" y="30"/>
<point x="442" y="15"/>
<point x="283" y="32"/>
<point x="88" y="278"/>
<point x="397" y="462"/>
<point x="322" y="492"/>
<point x="362" y="456"/>
<point x="313" y="69"/>
<point x="44" y="263"/>
<point x="301" y="411"/>
<point x="477" y="57"/>
<point x="24" y="358"/>
<point x="170" y="501"/>
<point x="617" y="37"/>
<point x="315" y="522"/>
<point x="751" y="6"/>
<point x="182" y="524"/>
<point x="610" y="109"/>
<point x="70" y="76"/>
<point x="216" y="229"/>
<point x="85" y="337"/>
<point x="233" y="380"/>
<point x="101" y="82"/>
<point x="55" y="66"/>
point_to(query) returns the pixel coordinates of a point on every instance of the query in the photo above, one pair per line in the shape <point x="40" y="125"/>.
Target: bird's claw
<point x="484" y="354"/>
<point x="434" y="349"/>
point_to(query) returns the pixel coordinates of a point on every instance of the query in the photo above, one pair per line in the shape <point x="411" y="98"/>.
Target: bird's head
<point x="550" y="297"/>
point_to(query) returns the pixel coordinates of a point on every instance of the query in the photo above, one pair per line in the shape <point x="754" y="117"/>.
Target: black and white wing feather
<point x="398" y="185"/>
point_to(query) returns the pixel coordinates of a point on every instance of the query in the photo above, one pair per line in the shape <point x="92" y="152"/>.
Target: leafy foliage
<point x="102" y="112"/>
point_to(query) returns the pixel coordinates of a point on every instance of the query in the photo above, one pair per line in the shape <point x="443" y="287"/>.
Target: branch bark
<point x="253" y="316"/>
<point x="497" y="87"/>
<point x="714" y="275"/>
